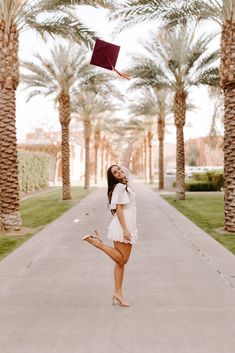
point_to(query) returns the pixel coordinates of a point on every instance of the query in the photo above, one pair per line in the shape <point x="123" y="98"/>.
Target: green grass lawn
<point x="206" y="211"/>
<point x="37" y="211"/>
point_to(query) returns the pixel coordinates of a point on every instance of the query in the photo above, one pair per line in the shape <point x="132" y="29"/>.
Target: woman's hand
<point x="127" y="235"/>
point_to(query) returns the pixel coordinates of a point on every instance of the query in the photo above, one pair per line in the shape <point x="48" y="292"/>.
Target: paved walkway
<point x="56" y="290"/>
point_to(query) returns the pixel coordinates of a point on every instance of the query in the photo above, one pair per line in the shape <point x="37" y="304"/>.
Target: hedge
<point x="208" y="181"/>
<point x="34" y="169"/>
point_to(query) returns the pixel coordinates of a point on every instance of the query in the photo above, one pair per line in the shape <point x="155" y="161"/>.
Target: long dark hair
<point x="112" y="182"/>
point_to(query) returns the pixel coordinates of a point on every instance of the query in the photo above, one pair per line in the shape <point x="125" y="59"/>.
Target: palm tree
<point x="53" y="17"/>
<point x="143" y="127"/>
<point x="177" y="60"/>
<point x="94" y="96"/>
<point x="154" y="103"/>
<point x="116" y="135"/>
<point x="222" y="13"/>
<point x="104" y="123"/>
<point x="56" y="77"/>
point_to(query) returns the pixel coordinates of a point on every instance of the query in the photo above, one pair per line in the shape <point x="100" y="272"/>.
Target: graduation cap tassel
<point x="115" y="70"/>
<point x="105" y="55"/>
<point x="120" y="73"/>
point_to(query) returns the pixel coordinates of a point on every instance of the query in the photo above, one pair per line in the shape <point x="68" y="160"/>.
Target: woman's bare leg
<point x="113" y="253"/>
<point x="125" y="249"/>
<point x="118" y="278"/>
<point x="119" y="253"/>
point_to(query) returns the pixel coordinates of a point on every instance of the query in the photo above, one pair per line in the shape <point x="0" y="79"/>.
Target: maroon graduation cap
<point x="105" y="55"/>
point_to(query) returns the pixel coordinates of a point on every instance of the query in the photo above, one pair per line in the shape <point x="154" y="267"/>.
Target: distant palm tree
<point x="57" y="76"/>
<point x="104" y="124"/>
<point x="116" y="135"/>
<point x="154" y="103"/>
<point x="93" y="97"/>
<point x="177" y="60"/>
<point x="53" y="17"/>
<point x="143" y="127"/>
<point x="223" y="13"/>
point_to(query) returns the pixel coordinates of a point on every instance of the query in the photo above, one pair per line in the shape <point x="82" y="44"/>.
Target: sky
<point x="40" y="112"/>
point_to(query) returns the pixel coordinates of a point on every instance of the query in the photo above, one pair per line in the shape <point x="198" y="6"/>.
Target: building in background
<point x="169" y="156"/>
<point x="204" y="151"/>
<point x="48" y="142"/>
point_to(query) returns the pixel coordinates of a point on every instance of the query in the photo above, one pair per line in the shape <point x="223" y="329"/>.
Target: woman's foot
<point x="119" y="298"/>
<point x="93" y="239"/>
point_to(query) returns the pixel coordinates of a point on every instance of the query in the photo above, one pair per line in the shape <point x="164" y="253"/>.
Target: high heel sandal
<point x="119" y="300"/>
<point x="86" y="237"/>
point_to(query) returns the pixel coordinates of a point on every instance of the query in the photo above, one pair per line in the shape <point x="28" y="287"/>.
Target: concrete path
<point x="56" y="290"/>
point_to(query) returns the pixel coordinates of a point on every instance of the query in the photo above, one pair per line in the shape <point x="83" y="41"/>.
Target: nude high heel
<point x="97" y="236"/>
<point x="120" y="301"/>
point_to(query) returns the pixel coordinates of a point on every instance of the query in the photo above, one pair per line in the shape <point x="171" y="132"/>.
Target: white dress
<point x="121" y="196"/>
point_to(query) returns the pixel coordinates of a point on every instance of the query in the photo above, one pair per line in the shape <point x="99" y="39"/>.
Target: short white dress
<point x="121" y="196"/>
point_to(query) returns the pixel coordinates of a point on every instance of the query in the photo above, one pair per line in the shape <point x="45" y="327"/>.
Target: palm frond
<point x="134" y="12"/>
<point x="150" y="103"/>
<point x="148" y="74"/>
<point x="108" y="4"/>
<point x="52" y="5"/>
<point x="207" y="61"/>
<point x="182" y="12"/>
<point x="38" y="73"/>
<point x="59" y="72"/>
<point x="34" y="93"/>
<point x="183" y="57"/>
<point x="65" y="25"/>
<point x="208" y="77"/>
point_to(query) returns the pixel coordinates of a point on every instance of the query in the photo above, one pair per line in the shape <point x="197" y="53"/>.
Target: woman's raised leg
<point x="113" y="253"/>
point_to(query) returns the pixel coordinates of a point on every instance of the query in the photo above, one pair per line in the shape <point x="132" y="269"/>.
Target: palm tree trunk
<point x="138" y="161"/>
<point x="87" y="137"/>
<point x="161" y="135"/>
<point x="141" y="160"/>
<point x="96" y="164"/>
<point x="9" y="78"/>
<point x="179" y="115"/>
<point x="64" y="110"/>
<point x="97" y="143"/>
<point x="134" y="162"/>
<point x="150" y="137"/>
<point x="227" y="75"/>
<point x="146" y="159"/>
<point x="161" y="164"/>
<point x="102" y="158"/>
<point x="57" y="159"/>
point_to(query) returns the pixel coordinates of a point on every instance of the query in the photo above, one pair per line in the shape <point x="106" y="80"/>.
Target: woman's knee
<point x="124" y="260"/>
<point x="124" y="253"/>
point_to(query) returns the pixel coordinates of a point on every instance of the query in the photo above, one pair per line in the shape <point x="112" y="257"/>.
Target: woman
<point x="122" y="230"/>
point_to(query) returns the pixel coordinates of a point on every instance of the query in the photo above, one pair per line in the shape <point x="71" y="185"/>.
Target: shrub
<point x="198" y="186"/>
<point x="209" y="181"/>
<point x="34" y="171"/>
<point x="218" y="180"/>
